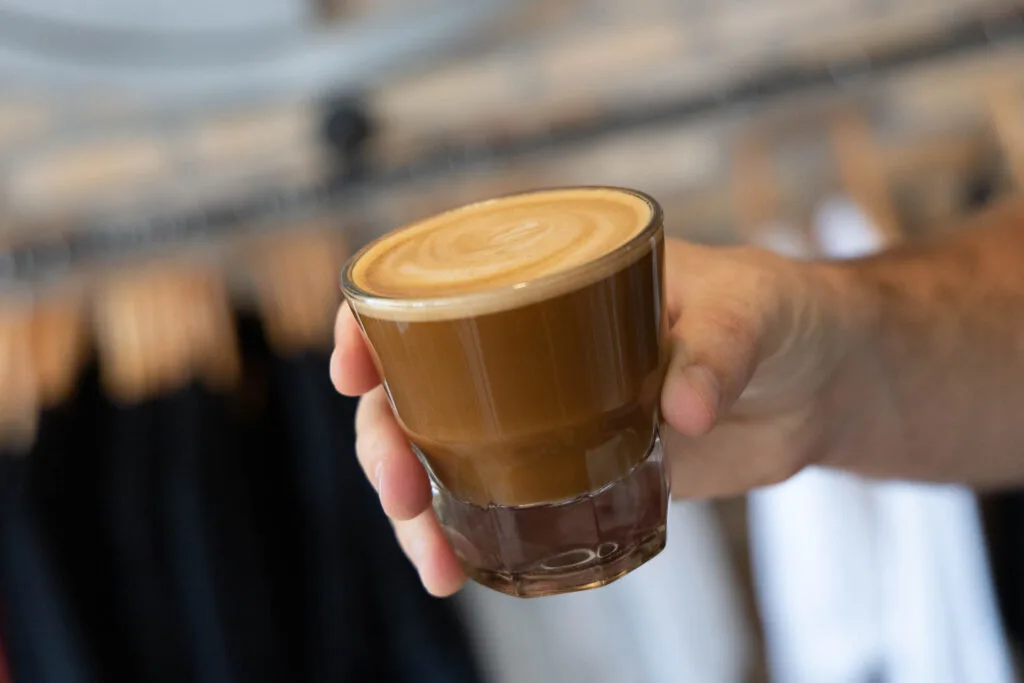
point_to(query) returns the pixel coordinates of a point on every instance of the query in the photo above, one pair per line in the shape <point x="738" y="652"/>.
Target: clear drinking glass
<point x="534" y="409"/>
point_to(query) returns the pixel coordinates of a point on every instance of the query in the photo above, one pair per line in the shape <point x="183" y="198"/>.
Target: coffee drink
<point x="522" y="344"/>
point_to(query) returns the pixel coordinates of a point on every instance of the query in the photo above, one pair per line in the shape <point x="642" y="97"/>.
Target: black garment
<point x="338" y="647"/>
<point x="43" y="637"/>
<point x="239" y="554"/>
<point x="141" y="586"/>
<point x="5" y="669"/>
<point x="216" y="539"/>
<point x="185" y="524"/>
<point x="423" y="640"/>
<point x="1005" y="521"/>
<point x="1003" y="512"/>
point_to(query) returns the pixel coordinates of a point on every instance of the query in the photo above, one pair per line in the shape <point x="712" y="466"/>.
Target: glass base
<point x="596" y="573"/>
<point x="564" y="547"/>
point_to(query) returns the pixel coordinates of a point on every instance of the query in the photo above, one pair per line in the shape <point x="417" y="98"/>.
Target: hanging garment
<point x="219" y="566"/>
<point x="45" y="641"/>
<point x="362" y="571"/>
<point x="337" y="648"/>
<point x="1005" y="510"/>
<point x="815" y="565"/>
<point x="238" y="550"/>
<point x="5" y="671"/>
<point x="941" y="619"/>
<point x="185" y="522"/>
<point x="676" y="619"/>
<point x="68" y="479"/>
<point x="196" y="537"/>
<point x="868" y="581"/>
<point x="141" y="584"/>
<point x="1007" y="515"/>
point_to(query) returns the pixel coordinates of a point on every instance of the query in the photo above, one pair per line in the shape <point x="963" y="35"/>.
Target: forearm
<point x="932" y="382"/>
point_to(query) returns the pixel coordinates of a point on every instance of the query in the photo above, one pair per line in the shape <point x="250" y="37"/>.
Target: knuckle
<point x="733" y="324"/>
<point x="754" y="274"/>
<point x="368" y="410"/>
<point x="370" y="447"/>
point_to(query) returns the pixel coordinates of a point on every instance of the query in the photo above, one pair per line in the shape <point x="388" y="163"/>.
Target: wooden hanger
<point x="757" y="199"/>
<point x="20" y="401"/>
<point x="756" y="195"/>
<point x="863" y="171"/>
<point x="1007" y="116"/>
<point x="60" y="344"/>
<point x="19" y="397"/>
<point x="296" y="280"/>
<point x="216" y="355"/>
<point x="956" y="152"/>
<point x="161" y="325"/>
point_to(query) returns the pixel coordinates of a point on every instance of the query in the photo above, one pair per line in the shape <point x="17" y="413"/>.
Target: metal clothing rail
<point x="91" y="240"/>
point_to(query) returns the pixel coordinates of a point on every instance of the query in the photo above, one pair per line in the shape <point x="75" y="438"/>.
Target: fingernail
<point x="332" y="369"/>
<point x="702" y="381"/>
<point x="378" y="476"/>
<point x="417" y="553"/>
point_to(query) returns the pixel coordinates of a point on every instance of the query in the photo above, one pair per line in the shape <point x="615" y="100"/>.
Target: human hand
<point x="748" y="398"/>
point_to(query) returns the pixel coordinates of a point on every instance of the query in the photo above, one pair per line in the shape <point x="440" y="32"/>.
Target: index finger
<point x="352" y="368"/>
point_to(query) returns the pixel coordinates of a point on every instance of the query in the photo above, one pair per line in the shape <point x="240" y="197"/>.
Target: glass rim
<point x="380" y="301"/>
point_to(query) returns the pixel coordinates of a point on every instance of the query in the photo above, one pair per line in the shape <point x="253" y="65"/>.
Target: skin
<point x="905" y="365"/>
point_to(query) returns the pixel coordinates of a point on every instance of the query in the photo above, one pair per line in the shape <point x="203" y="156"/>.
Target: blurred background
<point x="180" y="183"/>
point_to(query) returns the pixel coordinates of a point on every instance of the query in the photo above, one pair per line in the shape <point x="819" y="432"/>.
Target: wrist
<point x="856" y="406"/>
<point x="851" y="307"/>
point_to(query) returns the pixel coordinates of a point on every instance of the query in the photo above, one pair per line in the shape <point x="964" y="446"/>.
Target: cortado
<point x="522" y="343"/>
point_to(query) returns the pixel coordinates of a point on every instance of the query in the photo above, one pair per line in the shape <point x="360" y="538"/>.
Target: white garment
<point x="816" y="572"/>
<point x="858" y="578"/>
<point x="677" y="619"/>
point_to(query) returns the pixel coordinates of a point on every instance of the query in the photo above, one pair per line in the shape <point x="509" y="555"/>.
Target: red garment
<point x="5" y="672"/>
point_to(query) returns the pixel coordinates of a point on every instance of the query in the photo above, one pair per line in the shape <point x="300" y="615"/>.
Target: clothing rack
<point x="845" y="80"/>
<point x="184" y="513"/>
<point x="259" y="456"/>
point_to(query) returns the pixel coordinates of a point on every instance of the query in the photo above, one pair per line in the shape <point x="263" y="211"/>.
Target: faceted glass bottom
<point x="569" y="546"/>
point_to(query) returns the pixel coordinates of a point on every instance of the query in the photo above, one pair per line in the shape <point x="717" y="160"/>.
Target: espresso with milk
<point x="522" y="341"/>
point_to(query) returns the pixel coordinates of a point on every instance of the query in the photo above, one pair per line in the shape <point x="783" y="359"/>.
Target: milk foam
<point x="503" y="247"/>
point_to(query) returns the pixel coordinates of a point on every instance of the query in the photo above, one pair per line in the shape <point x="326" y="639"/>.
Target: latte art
<point x="501" y="243"/>
<point x="478" y="252"/>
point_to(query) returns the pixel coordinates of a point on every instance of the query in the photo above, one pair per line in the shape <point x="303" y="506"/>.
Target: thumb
<point x="714" y="355"/>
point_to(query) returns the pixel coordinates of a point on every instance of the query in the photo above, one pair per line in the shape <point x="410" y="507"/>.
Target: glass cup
<point x="534" y="406"/>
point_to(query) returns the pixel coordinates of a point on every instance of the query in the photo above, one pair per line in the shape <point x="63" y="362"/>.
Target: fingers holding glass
<point x="352" y="370"/>
<point x="404" y="490"/>
<point x="388" y="460"/>
<point x="426" y="546"/>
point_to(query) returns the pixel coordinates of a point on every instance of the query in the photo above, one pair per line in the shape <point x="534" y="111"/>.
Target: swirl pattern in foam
<point x="500" y="244"/>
